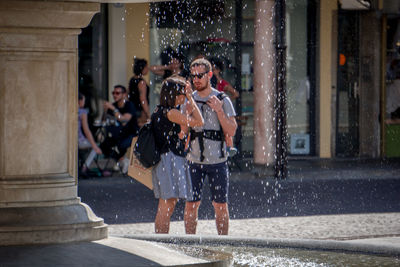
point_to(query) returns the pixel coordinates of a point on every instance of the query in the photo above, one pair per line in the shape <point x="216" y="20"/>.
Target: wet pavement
<point x="350" y="205"/>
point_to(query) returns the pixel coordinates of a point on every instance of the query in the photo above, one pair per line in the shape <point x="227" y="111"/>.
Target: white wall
<point x="116" y="46"/>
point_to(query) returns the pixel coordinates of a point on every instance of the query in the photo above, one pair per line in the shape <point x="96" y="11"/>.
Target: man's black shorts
<point x="218" y="180"/>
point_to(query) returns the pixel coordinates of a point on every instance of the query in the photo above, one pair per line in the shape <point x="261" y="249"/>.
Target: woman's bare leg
<point x="165" y="209"/>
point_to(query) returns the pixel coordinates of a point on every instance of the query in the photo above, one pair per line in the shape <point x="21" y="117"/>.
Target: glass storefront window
<point x="392" y="108"/>
<point x="208" y="28"/>
<point x="393" y="68"/>
<point x="298" y="84"/>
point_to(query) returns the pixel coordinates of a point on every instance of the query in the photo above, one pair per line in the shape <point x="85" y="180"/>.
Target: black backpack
<point x="146" y="149"/>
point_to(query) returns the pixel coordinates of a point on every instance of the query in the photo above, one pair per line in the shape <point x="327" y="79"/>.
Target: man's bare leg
<point x="221" y="217"/>
<point x="190" y="217"/>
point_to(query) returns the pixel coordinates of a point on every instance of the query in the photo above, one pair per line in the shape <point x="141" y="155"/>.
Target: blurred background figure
<point x="218" y="82"/>
<point x="171" y="63"/>
<point x="139" y="91"/>
<point x="394" y="117"/>
<point x="224" y="86"/>
<point x="85" y="137"/>
<point x="119" y="136"/>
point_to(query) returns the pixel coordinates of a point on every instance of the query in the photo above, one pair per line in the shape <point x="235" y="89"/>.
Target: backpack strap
<point x="209" y="134"/>
<point x="215" y="135"/>
<point x="221" y="96"/>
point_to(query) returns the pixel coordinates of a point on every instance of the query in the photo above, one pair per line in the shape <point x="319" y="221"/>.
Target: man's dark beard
<point x="204" y="87"/>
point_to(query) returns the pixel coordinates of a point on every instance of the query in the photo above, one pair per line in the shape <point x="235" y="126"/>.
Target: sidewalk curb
<point x="355" y="246"/>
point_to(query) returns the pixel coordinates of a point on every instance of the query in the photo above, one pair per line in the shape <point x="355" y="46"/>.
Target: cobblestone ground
<point x="336" y="227"/>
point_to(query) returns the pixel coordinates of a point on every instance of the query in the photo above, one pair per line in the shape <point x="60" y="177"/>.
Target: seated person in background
<point x="85" y="138"/>
<point x="124" y="130"/>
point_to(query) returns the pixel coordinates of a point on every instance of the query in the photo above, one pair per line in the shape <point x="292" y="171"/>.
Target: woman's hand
<point x="181" y="135"/>
<point x="98" y="150"/>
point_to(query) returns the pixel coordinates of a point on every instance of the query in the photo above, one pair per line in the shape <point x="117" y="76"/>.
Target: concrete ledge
<point x="48" y="225"/>
<point x="354" y="246"/>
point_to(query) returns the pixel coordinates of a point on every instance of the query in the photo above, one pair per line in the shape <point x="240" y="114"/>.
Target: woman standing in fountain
<point x="171" y="121"/>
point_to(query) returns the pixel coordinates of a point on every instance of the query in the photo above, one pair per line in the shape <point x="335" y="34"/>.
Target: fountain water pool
<point x="236" y="251"/>
<point x="284" y="257"/>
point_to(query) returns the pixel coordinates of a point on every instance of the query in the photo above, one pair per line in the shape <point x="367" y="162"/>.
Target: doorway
<point x="347" y="101"/>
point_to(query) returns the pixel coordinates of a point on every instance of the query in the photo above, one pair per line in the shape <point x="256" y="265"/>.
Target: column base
<point x="49" y="225"/>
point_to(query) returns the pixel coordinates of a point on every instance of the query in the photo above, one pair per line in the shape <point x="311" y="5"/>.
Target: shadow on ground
<point x="89" y="254"/>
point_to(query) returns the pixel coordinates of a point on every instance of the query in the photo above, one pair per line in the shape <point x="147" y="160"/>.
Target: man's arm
<point x="228" y="124"/>
<point x="123" y="118"/>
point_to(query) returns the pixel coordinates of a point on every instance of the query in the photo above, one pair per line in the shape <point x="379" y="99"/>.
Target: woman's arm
<point x="232" y="91"/>
<point x="159" y="69"/>
<point x="185" y="119"/>
<point x="123" y="118"/>
<point x="143" y="98"/>
<point x="88" y="133"/>
<point x="195" y="111"/>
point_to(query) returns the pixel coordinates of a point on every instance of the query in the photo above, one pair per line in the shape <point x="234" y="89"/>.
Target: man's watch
<point x="115" y="110"/>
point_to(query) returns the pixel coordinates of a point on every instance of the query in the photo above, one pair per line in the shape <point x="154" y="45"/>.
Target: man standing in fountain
<point x="207" y="156"/>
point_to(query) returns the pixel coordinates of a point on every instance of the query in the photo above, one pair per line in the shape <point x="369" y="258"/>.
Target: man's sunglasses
<point x="198" y="75"/>
<point x="116" y="93"/>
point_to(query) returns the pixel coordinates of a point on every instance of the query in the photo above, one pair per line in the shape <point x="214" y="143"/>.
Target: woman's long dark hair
<point x="139" y="65"/>
<point x="170" y="89"/>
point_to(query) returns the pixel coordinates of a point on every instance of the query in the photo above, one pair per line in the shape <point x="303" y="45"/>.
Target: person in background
<point x="85" y="137"/>
<point x="394" y="117"/>
<point x="126" y="127"/>
<point x="207" y="156"/>
<point x="173" y="66"/>
<point x="139" y="91"/>
<point x="221" y="84"/>
<point x="171" y="179"/>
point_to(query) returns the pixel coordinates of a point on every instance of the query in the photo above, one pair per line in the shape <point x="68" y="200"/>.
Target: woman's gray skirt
<point x="171" y="177"/>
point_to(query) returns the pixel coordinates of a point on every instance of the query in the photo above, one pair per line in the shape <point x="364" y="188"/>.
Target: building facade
<point x="339" y="58"/>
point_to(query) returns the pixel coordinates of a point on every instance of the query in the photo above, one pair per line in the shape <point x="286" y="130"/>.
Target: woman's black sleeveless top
<point x="134" y="95"/>
<point x="166" y="133"/>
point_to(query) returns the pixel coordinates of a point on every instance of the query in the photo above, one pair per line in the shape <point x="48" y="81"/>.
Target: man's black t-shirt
<point x="131" y="127"/>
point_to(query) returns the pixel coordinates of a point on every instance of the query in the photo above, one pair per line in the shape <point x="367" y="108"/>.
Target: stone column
<point x="264" y="85"/>
<point x="38" y="124"/>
